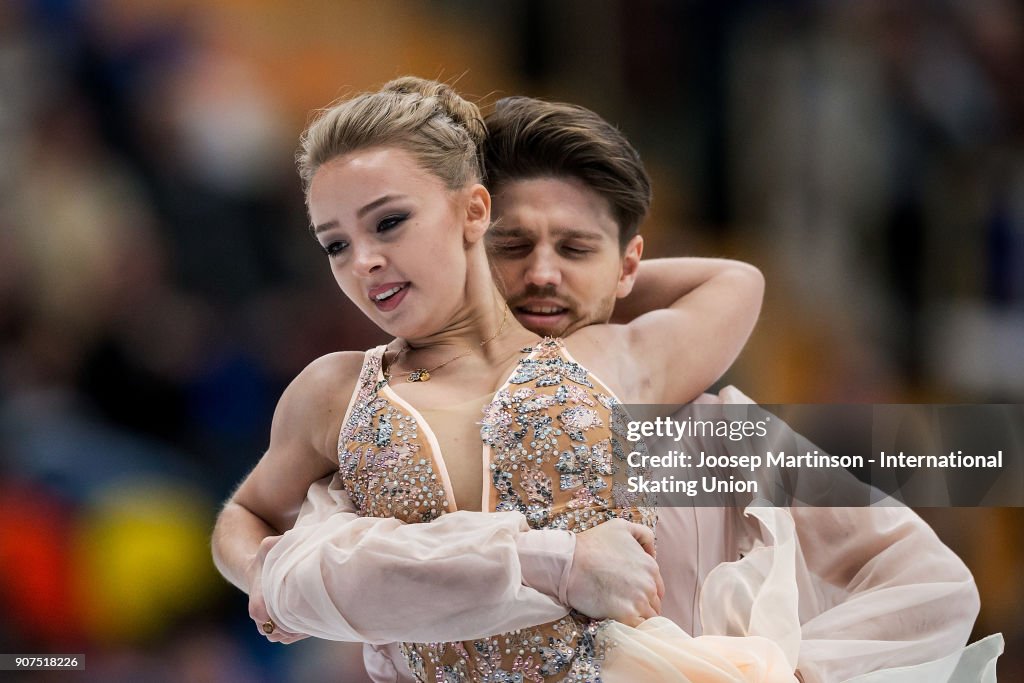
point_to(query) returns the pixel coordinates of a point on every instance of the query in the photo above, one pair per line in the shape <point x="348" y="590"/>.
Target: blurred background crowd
<point x="158" y="288"/>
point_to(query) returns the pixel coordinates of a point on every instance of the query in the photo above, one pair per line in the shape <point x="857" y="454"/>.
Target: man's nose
<point x="544" y="269"/>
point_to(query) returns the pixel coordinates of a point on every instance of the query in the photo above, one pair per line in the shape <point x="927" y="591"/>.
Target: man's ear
<point x="478" y="213"/>
<point x="630" y="266"/>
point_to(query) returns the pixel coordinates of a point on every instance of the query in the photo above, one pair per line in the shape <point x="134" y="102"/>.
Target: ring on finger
<point x="269" y="626"/>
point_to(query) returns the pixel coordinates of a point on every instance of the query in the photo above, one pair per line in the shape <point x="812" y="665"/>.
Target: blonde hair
<point x="426" y="118"/>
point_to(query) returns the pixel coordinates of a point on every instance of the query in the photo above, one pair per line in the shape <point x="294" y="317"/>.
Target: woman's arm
<point x="301" y="447"/>
<point x="465" y="575"/>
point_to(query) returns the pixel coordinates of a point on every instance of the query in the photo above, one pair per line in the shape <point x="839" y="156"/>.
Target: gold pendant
<point x="419" y="375"/>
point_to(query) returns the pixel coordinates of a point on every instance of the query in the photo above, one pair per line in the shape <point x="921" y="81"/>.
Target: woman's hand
<point x="257" y="605"/>
<point x="614" y="575"/>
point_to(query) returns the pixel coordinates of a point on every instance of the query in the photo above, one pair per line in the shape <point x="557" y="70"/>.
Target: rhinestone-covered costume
<point x="551" y="444"/>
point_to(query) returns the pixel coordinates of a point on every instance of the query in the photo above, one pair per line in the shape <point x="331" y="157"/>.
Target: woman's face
<point x="394" y="235"/>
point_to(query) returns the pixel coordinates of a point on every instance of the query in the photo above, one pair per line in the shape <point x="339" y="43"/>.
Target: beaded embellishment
<point x="555" y="442"/>
<point x="386" y="467"/>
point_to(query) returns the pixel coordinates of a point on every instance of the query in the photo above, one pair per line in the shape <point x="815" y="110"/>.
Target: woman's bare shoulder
<point x="332" y="372"/>
<point x="317" y="398"/>
<point x="328" y="379"/>
<point x="303" y="438"/>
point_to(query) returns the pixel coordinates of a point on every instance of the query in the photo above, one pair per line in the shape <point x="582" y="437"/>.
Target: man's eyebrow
<point x="380" y="201"/>
<point x="561" y="233"/>
<point x="505" y="231"/>
<point x="576" y="233"/>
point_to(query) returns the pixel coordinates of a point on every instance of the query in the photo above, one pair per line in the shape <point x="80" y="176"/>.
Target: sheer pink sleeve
<point x="880" y="590"/>
<point x="465" y="575"/>
<point x="874" y="586"/>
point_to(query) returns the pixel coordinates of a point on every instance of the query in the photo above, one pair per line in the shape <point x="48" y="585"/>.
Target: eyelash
<point x="512" y="249"/>
<point x="386" y="224"/>
<point x="335" y="248"/>
<point x="391" y="222"/>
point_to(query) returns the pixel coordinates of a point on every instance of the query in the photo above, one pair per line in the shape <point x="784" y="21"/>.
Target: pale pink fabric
<point x="875" y="586"/>
<point x="385" y="664"/>
<point x="377" y="580"/>
<point x="838" y="591"/>
<point x="659" y="651"/>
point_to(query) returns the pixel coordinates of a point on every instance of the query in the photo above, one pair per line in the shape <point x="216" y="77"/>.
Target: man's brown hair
<point x="530" y="138"/>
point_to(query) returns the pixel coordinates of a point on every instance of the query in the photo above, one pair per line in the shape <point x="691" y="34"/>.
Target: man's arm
<point x="378" y="580"/>
<point x="367" y="561"/>
<point x="662" y="282"/>
<point x="690" y="313"/>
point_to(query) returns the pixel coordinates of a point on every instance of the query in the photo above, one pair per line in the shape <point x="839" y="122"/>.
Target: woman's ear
<point x="478" y="213"/>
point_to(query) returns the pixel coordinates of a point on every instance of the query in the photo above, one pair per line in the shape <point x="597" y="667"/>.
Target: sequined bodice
<point x="551" y="444"/>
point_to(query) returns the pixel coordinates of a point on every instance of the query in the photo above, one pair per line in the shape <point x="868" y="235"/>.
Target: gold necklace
<point x="423" y="374"/>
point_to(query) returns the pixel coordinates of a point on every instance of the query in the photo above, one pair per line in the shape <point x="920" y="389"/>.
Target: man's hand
<point x="614" y="575"/>
<point x="257" y="605"/>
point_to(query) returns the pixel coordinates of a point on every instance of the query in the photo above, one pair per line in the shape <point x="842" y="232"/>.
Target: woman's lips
<point x="387" y="297"/>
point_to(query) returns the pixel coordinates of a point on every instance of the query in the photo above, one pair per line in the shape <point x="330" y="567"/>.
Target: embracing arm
<point x="315" y="579"/>
<point x="662" y="282"/>
<point x="694" y="314"/>
<point x="465" y="575"/>
<point x="329" y="575"/>
<point x="377" y="580"/>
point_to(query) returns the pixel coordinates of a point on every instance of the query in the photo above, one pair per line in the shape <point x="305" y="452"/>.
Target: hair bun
<point x="461" y="111"/>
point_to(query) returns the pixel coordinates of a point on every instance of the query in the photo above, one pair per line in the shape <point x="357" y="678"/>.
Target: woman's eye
<point x="335" y="248"/>
<point x="391" y="222"/>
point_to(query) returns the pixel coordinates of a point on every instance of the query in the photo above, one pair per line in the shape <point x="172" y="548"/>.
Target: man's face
<point x="554" y="249"/>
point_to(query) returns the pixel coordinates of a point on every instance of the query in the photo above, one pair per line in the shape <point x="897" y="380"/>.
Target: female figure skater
<point x="392" y="182"/>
